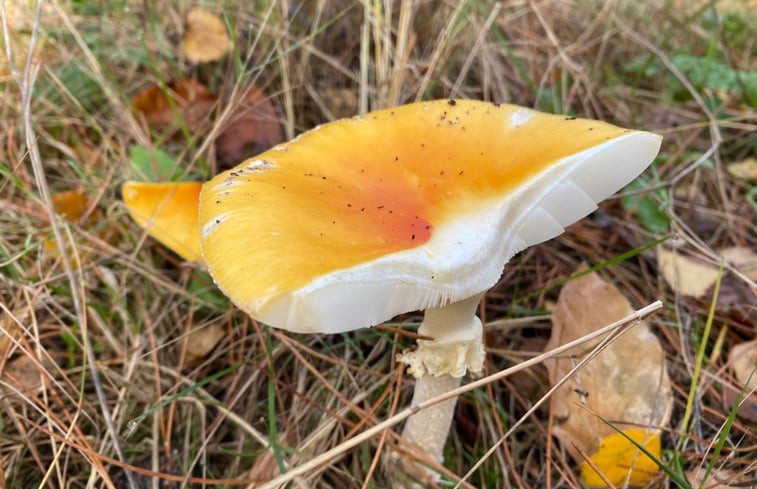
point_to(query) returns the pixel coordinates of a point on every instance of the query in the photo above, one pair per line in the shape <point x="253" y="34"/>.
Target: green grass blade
<point x="699" y="361"/>
<point x="272" y="427"/>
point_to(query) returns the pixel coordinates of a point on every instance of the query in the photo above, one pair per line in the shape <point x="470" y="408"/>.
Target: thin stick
<point x="407" y="412"/>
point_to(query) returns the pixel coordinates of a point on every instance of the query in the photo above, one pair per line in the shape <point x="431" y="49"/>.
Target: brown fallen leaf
<point x="252" y="127"/>
<point x="718" y="479"/>
<point x="626" y="384"/>
<point x="10" y="331"/>
<point x="743" y="259"/>
<point x="743" y="361"/>
<point x="22" y="375"/>
<point x="201" y="341"/>
<point x="685" y="275"/>
<point x="70" y="204"/>
<point x="192" y="100"/>
<point x="206" y="38"/>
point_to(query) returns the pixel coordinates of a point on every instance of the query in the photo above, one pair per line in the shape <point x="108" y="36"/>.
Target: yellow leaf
<point x="206" y="38"/>
<point x="617" y="456"/>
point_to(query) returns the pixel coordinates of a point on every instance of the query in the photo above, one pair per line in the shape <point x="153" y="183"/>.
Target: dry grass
<point x="97" y="371"/>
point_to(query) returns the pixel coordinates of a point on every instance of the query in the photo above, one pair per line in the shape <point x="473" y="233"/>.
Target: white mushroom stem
<point x="438" y="366"/>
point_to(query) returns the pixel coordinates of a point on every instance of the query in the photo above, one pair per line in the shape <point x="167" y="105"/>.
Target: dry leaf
<point x="168" y="211"/>
<point x="70" y="204"/>
<point x="742" y="259"/>
<point x="743" y="361"/>
<point x="201" y="341"/>
<point x="192" y="100"/>
<point x="619" y="460"/>
<point x="252" y="127"/>
<point x="685" y="275"/>
<point x="626" y="383"/>
<point x="206" y="38"/>
<point x="718" y="479"/>
<point x="10" y="331"/>
<point x="745" y="169"/>
<point x="22" y="375"/>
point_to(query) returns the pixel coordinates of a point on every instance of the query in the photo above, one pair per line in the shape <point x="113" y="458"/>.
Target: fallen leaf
<point x="685" y="275"/>
<point x="206" y="38"/>
<point x="743" y="259"/>
<point x="168" y="211"/>
<point x="186" y="96"/>
<point x="619" y="460"/>
<point x="626" y="383"/>
<point x="743" y="361"/>
<point x="201" y="341"/>
<point x="718" y="479"/>
<point x="252" y="127"/>
<point x="70" y="204"/>
<point x="22" y="375"/>
<point x="745" y="169"/>
<point x="10" y="330"/>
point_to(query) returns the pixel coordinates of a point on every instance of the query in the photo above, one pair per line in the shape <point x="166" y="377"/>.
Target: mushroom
<point x="168" y="212"/>
<point x="416" y="207"/>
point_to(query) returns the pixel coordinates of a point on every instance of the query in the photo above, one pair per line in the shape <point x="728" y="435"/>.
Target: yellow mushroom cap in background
<point x="168" y="211"/>
<point x="402" y="209"/>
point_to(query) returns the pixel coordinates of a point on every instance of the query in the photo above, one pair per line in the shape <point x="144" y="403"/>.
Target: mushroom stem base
<point x="438" y="366"/>
<point x="428" y="429"/>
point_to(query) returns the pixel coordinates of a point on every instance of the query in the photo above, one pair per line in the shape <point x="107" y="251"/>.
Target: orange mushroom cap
<point x="168" y="211"/>
<point x="402" y="209"/>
